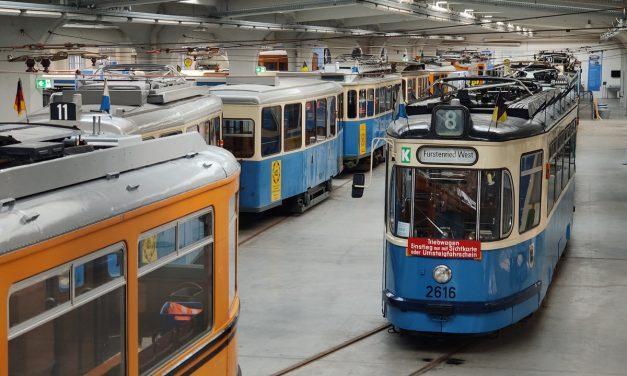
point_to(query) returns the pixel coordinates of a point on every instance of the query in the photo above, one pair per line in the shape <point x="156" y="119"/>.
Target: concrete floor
<point x="314" y="281"/>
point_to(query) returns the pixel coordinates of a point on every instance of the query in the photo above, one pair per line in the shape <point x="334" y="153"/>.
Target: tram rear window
<point x="442" y="203"/>
<point x="239" y="137"/>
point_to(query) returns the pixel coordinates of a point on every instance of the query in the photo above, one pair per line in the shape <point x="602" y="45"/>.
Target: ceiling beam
<point x="294" y="7"/>
<point x="127" y="3"/>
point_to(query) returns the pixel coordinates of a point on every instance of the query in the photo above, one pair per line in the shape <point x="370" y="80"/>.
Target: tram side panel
<point x="358" y="135"/>
<point x="267" y="182"/>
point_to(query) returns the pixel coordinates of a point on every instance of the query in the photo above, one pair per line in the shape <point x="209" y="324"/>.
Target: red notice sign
<point x="444" y="248"/>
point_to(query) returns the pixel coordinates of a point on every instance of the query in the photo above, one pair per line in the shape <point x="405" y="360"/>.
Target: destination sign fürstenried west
<point x="447" y="155"/>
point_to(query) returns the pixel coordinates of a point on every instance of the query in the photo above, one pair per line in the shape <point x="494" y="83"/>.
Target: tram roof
<point x="286" y="90"/>
<point x="148" y="117"/>
<point x="482" y="129"/>
<point x="352" y="79"/>
<point x="46" y="199"/>
<point x="526" y="115"/>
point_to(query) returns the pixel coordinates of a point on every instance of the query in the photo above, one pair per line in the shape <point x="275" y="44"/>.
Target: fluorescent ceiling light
<point x="143" y="20"/>
<point x="43" y="13"/>
<point x="190" y="23"/>
<point x="168" y="22"/>
<point x="82" y="17"/>
<point x="114" y="19"/>
<point x="77" y="25"/>
<point x="8" y="11"/>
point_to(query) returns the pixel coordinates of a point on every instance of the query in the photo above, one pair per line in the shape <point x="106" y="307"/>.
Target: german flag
<point x="500" y="110"/>
<point x="19" y="105"/>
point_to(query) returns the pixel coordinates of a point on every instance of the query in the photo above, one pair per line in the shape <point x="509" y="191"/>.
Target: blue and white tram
<point x="478" y="211"/>
<point x="367" y="111"/>
<point x="286" y="134"/>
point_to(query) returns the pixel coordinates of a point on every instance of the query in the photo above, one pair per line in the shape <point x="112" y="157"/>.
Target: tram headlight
<point x="442" y="274"/>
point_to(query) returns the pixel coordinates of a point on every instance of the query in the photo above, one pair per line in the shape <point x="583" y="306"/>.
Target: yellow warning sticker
<point x="362" y="138"/>
<point x="275" y="180"/>
<point x="148" y="250"/>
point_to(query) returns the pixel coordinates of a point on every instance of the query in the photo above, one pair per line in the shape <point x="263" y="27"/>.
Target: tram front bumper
<point x="448" y="308"/>
<point x="470" y="317"/>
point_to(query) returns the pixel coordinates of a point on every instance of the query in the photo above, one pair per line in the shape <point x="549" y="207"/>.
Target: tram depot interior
<point x="331" y="187"/>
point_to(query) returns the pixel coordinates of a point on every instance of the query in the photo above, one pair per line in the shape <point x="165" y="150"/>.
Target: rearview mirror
<point x="358" y="185"/>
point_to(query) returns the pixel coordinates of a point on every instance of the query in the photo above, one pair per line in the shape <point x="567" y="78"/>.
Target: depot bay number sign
<point x="446" y="155"/>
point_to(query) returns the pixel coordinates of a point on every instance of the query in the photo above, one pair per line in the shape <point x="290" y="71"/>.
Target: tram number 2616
<point x="441" y="292"/>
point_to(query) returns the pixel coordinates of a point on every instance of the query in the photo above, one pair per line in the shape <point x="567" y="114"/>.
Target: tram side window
<point x="552" y="196"/>
<point x="507" y="220"/>
<point x="362" y="103"/>
<point x="411" y="89"/>
<point x="490" y="213"/>
<point x="321" y="119"/>
<point x="40" y="296"/>
<point x="573" y="146"/>
<point x="340" y="106"/>
<point x="370" y="102"/>
<point x="270" y="130"/>
<point x="83" y="337"/>
<point x="404" y="88"/>
<point x="381" y="99"/>
<point x="175" y="294"/>
<point x="332" y="116"/>
<point x="213" y="128"/>
<point x="566" y="163"/>
<point x="530" y="191"/>
<point x="292" y="126"/>
<point x="238" y="136"/>
<point x="388" y="98"/>
<point x="399" y="204"/>
<point x="310" y="122"/>
<point x="377" y="102"/>
<point x="351" y="110"/>
<point x="559" y="171"/>
<point x="172" y="133"/>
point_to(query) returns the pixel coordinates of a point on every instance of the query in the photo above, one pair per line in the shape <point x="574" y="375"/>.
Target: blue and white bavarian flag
<point x="105" y="104"/>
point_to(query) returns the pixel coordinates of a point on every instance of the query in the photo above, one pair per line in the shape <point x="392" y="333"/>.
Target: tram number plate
<point x="439" y="292"/>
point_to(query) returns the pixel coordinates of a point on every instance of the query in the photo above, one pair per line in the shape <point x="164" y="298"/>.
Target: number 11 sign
<point x="63" y="111"/>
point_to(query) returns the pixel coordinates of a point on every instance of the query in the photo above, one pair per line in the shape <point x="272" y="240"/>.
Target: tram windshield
<point x="450" y="203"/>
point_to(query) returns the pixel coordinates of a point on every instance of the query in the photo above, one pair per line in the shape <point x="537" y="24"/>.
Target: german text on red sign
<point x="444" y="248"/>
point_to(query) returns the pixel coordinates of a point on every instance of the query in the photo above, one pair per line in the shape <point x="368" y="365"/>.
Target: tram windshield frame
<point x="450" y="203"/>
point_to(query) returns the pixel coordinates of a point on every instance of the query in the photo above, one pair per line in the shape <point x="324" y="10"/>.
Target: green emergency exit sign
<point x="43" y="83"/>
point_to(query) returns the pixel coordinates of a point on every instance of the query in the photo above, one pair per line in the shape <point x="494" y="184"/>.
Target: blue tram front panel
<point x="266" y="183"/>
<point x="485" y="295"/>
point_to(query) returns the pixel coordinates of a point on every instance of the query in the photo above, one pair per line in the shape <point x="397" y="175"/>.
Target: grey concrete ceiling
<point x="549" y="19"/>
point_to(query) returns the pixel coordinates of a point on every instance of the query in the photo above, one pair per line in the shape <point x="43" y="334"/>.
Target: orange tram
<point x="117" y="255"/>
